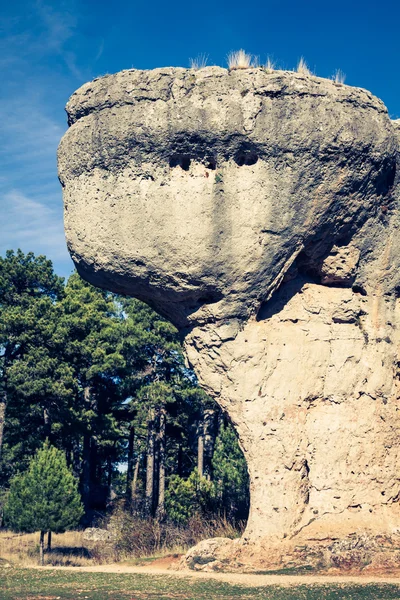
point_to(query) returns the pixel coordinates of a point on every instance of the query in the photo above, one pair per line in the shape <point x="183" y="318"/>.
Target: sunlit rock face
<point x="259" y="212"/>
<point x="196" y="190"/>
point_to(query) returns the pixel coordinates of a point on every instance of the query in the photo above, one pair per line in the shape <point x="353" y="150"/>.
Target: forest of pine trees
<point x="103" y="379"/>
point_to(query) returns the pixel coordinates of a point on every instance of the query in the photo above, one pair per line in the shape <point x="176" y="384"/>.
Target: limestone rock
<point x="197" y="190"/>
<point x="340" y="266"/>
<point x="96" y="534"/>
<point x="260" y="213"/>
<point x="207" y="554"/>
<point x="312" y="388"/>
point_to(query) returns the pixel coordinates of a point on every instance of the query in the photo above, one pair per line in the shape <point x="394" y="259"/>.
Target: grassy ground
<point x="30" y="584"/>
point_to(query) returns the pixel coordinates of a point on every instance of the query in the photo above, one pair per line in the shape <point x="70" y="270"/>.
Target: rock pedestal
<point x="312" y="390"/>
<point x="259" y="212"/>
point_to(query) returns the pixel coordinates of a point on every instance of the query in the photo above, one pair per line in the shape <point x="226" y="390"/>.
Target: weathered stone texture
<point x="312" y="389"/>
<point x="197" y="190"/>
<point x="259" y="212"/>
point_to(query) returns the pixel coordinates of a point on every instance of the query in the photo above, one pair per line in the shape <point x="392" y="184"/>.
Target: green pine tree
<point x="32" y="381"/>
<point x="186" y="497"/>
<point x="44" y="498"/>
<point x="231" y="479"/>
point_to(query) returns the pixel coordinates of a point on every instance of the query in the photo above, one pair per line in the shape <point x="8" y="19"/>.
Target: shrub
<point x="186" y="497"/>
<point x="138" y="537"/>
<point x="44" y="498"/>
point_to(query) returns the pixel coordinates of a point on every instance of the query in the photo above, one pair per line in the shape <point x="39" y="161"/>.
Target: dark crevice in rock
<point x="180" y="160"/>
<point x="246" y="157"/>
<point x="358" y="289"/>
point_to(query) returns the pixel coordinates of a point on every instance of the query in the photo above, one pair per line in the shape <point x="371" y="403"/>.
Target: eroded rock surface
<point x="259" y="212"/>
<point x="198" y="189"/>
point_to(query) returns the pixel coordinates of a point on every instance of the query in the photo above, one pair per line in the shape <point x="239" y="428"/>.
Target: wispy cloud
<point x="99" y="51"/>
<point x="40" y="70"/>
<point x="60" y="26"/>
<point x="32" y="226"/>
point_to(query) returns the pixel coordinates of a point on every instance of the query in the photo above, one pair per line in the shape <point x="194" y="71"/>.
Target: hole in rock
<point x="209" y="297"/>
<point x="180" y="160"/>
<point x="358" y="289"/>
<point x="211" y="164"/>
<point x="246" y="157"/>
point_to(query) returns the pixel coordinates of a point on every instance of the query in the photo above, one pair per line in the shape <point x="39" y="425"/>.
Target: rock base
<point x="357" y="554"/>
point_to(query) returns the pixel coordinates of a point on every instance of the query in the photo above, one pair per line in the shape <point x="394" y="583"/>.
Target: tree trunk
<point x="179" y="468"/>
<point x="46" y="423"/>
<point x="135" y="477"/>
<point x="109" y="472"/>
<point x="3" y="404"/>
<point x="3" y="394"/>
<point x="150" y="465"/>
<point x="86" y="458"/>
<point x="86" y="471"/>
<point x="210" y="433"/>
<point x="42" y="548"/>
<point x="49" y="541"/>
<point x="200" y="446"/>
<point x="161" y="466"/>
<point x="95" y="475"/>
<point x="130" y="468"/>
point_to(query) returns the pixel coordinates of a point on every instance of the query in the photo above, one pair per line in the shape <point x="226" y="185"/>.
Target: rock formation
<point x="258" y="211"/>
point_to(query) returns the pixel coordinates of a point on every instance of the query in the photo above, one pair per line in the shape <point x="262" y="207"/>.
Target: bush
<point x="45" y="498"/>
<point x="138" y="537"/>
<point x="186" y="497"/>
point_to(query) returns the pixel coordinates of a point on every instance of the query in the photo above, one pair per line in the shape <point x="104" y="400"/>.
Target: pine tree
<point x="231" y="479"/>
<point x="94" y="339"/>
<point x="28" y="292"/>
<point x="44" y="498"/>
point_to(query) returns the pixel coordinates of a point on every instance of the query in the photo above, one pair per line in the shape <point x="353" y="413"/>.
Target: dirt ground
<point x="168" y="567"/>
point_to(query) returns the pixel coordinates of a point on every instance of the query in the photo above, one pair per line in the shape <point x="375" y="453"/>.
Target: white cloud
<point x="38" y="56"/>
<point x="31" y="225"/>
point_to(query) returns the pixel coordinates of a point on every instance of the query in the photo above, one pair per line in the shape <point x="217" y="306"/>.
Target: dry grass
<point x="339" y="77"/>
<point x="68" y="549"/>
<point x="199" y="62"/>
<point x="134" y="538"/>
<point x="269" y="65"/>
<point x="240" y="60"/>
<point x="302" y="67"/>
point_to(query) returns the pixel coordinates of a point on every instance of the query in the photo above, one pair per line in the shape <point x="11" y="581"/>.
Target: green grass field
<point x="32" y="584"/>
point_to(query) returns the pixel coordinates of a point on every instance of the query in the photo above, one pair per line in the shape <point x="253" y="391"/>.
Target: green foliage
<point x="231" y="479"/>
<point x="99" y="376"/>
<point x="45" y="497"/>
<point x="186" y="497"/>
<point x="33" y="377"/>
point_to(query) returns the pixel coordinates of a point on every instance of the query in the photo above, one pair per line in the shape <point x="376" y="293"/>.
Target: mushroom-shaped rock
<point x="258" y="211"/>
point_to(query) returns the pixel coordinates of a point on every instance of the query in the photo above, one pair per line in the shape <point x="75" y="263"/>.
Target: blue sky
<point x="49" y="48"/>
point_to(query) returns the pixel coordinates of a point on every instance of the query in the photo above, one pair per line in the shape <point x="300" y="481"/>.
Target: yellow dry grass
<point x="302" y="67"/>
<point x="199" y="62"/>
<point x="269" y="65"/>
<point x="239" y="60"/>
<point x="68" y="549"/>
<point x="339" y="77"/>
